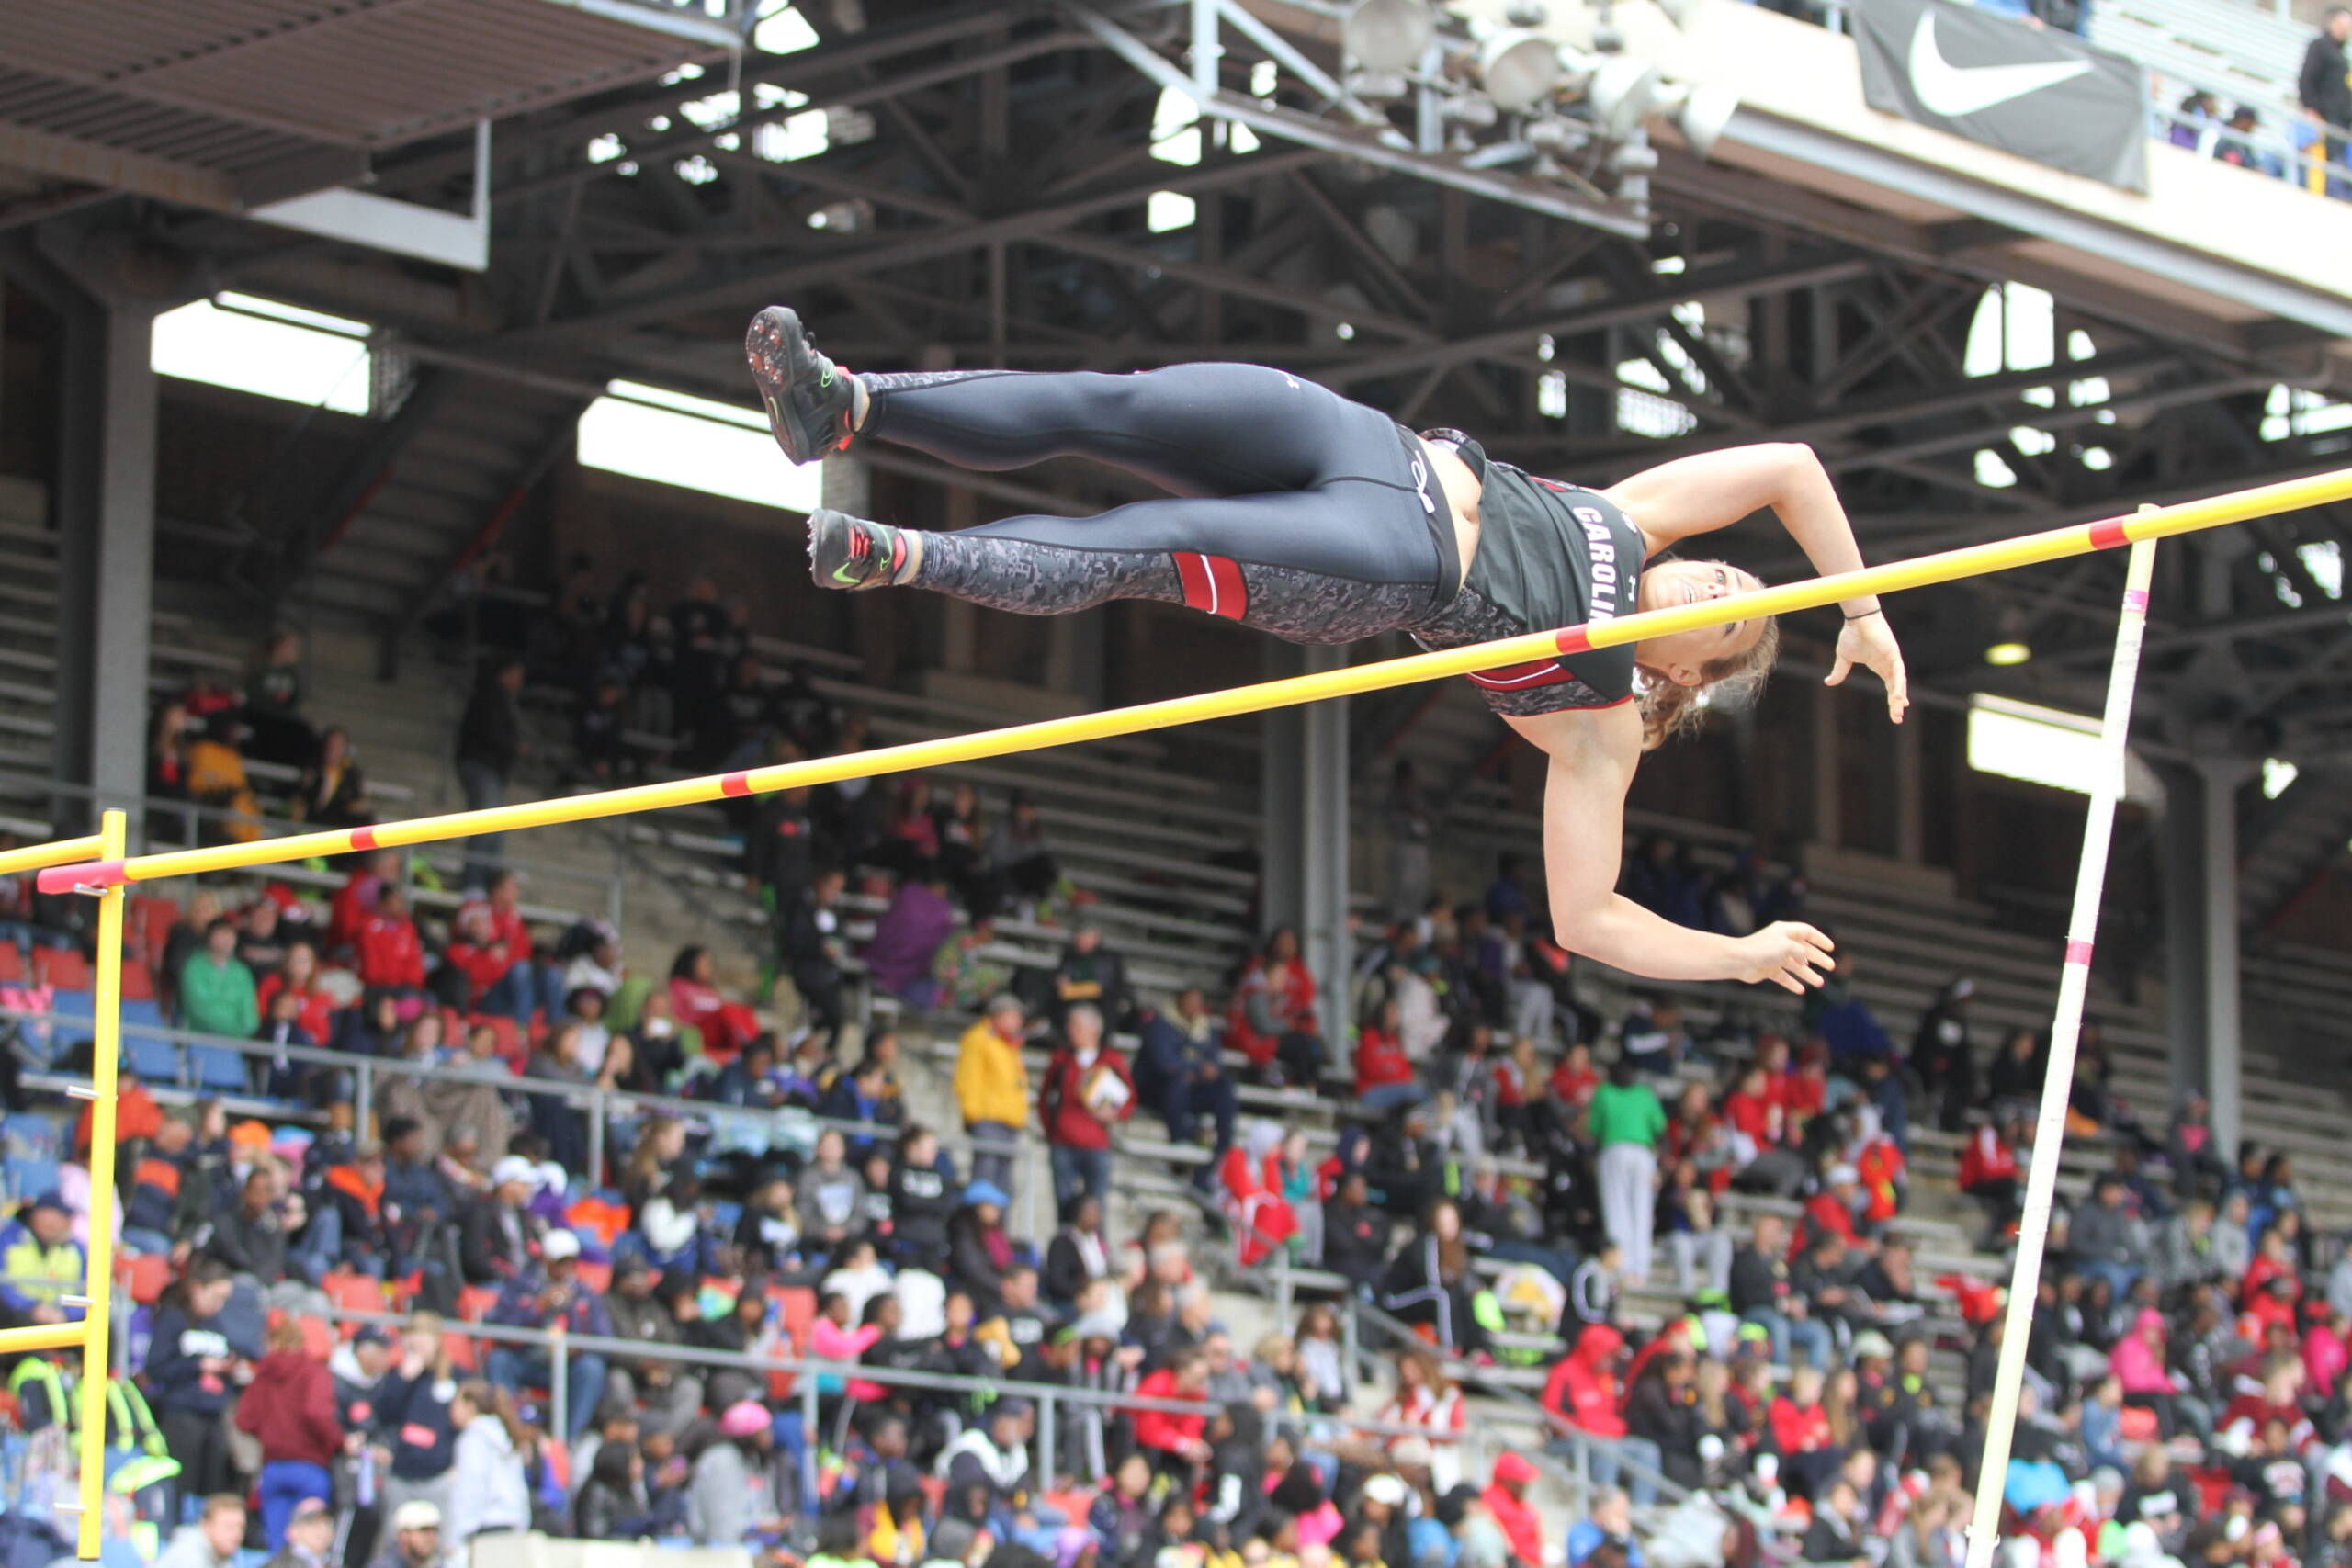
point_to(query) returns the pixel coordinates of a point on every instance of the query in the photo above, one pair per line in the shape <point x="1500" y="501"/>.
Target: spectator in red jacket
<point x="289" y="1408"/>
<point x="1088" y="1091"/>
<point x="1272" y="1019"/>
<point x="392" y="955"/>
<point x="1505" y="1503"/>
<point x="1385" y="1077"/>
<point x="358" y="896"/>
<point x="1586" y="1395"/>
<point x="1583" y="1389"/>
<point x="300" y="975"/>
<point x="1173" y="1442"/>
<point x="1797" y="1424"/>
<point x="485" y="962"/>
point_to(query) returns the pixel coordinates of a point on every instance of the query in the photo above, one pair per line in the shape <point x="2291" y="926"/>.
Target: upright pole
<point x="2050" y="1132"/>
<point x="98" y="1309"/>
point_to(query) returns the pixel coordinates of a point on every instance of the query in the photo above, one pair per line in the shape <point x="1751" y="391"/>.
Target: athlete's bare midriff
<point x="1460" y="487"/>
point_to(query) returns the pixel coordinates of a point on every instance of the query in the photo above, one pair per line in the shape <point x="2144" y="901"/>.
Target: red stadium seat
<point x="61" y="969"/>
<point x="138" y="981"/>
<point x="149" y="1272"/>
<point x="12" y="965"/>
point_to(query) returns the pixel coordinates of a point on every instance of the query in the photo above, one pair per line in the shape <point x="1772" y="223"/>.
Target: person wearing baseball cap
<point x="40" y="1263"/>
<point x="1507" y="1503"/>
<point x="309" y="1536"/>
<point x="727" y="1496"/>
<point x="553" y="1297"/>
<point x="415" y="1536"/>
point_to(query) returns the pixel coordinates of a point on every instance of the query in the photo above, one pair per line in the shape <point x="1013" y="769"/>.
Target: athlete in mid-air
<point x="1321" y="520"/>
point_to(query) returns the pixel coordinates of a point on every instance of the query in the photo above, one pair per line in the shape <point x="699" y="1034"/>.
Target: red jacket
<point x="1513" y="1515"/>
<point x="390" y="952"/>
<point x="1164" y="1430"/>
<point x="1061" y="1104"/>
<point x="317" y="1007"/>
<point x="1986" y="1158"/>
<point x="1798" y="1429"/>
<point x="1583" y="1388"/>
<point x="485" y="966"/>
<point x="350" y="909"/>
<point x="289" y="1406"/>
<point x="1380" y="1060"/>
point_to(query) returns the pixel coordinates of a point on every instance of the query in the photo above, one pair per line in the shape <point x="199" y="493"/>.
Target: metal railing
<point x="598" y="1104"/>
<point x="1049" y="1399"/>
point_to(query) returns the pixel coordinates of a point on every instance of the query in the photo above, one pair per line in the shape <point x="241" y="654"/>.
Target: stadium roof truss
<point x="984" y="193"/>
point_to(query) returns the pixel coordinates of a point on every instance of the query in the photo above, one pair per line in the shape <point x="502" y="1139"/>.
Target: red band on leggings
<point x="1212" y="583"/>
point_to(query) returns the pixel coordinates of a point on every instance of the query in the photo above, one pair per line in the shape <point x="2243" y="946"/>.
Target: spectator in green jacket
<point x="1627" y="1120"/>
<point x="217" y="990"/>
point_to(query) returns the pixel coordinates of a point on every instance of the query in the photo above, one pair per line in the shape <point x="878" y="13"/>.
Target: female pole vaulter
<point x="1321" y="520"/>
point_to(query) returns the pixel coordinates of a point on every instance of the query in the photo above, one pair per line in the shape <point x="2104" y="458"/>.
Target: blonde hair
<point x="1733" y="681"/>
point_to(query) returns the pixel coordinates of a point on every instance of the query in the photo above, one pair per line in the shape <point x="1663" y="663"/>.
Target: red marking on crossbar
<point x="1576" y="640"/>
<point x="738" y="783"/>
<point x="363" y="839"/>
<point x="96" y="874"/>
<point x="2108" y="535"/>
<point x="2136" y="600"/>
<point x="2078" y="952"/>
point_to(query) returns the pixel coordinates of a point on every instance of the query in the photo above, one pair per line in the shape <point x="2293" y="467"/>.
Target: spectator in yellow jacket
<point x="993" y="1089"/>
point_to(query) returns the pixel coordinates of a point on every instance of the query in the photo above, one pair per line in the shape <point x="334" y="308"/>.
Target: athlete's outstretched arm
<point x="1714" y="490"/>
<point x="1593" y="754"/>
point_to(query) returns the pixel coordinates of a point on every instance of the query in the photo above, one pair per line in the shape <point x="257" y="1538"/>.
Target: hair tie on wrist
<point x="1866" y="614"/>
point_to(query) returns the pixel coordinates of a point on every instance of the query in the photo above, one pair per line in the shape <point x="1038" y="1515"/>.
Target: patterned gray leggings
<point x="1291" y="509"/>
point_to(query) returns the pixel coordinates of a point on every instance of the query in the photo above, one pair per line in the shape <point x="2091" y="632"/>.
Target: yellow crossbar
<point x="41" y="857"/>
<point x="2058" y="544"/>
<point x="44" y="1336"/>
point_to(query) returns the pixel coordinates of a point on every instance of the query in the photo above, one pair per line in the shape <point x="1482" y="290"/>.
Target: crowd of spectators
<point x="1689" y="1240"/>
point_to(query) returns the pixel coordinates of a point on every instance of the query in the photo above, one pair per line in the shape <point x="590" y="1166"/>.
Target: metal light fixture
<point x="1388" y="35"/>
<point x="2008" y="647"/>
<point x="1623" y="92"/>
<point x="1701" y="113"/>
<point x="1520" y="69"/>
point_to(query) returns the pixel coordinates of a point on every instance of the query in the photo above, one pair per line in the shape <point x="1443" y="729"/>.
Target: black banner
<point x="2036" y="92"/>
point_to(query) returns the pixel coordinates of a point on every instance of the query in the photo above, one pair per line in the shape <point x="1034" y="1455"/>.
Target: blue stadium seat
<point x="151" y="1057"/>
<point x="29" y="1134"/>
<point x="27" y="1178"/>
<point x="217" y="1067"/>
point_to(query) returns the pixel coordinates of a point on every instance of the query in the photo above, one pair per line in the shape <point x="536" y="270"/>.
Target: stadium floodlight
<point x="1623" y="92"/>
<point x="1388" y="35"/>
<point x="1520" y="69"/>
<point x="1701" y="113"/>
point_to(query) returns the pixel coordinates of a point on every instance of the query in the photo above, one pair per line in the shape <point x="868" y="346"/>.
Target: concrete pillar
<point x="1910" y="792"/>
<point x="1306" y="856"/>
<point x="106" y="511"/>
<point x="2201" y="891"/>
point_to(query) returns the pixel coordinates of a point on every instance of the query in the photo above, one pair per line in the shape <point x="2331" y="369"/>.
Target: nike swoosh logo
<point x="1954" y="90"/>
<point x="842" y="574"/>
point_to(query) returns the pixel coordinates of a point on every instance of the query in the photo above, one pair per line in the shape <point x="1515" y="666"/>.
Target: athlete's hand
<point x="1870" y="642"/>
<point x="1787" y="953"/>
